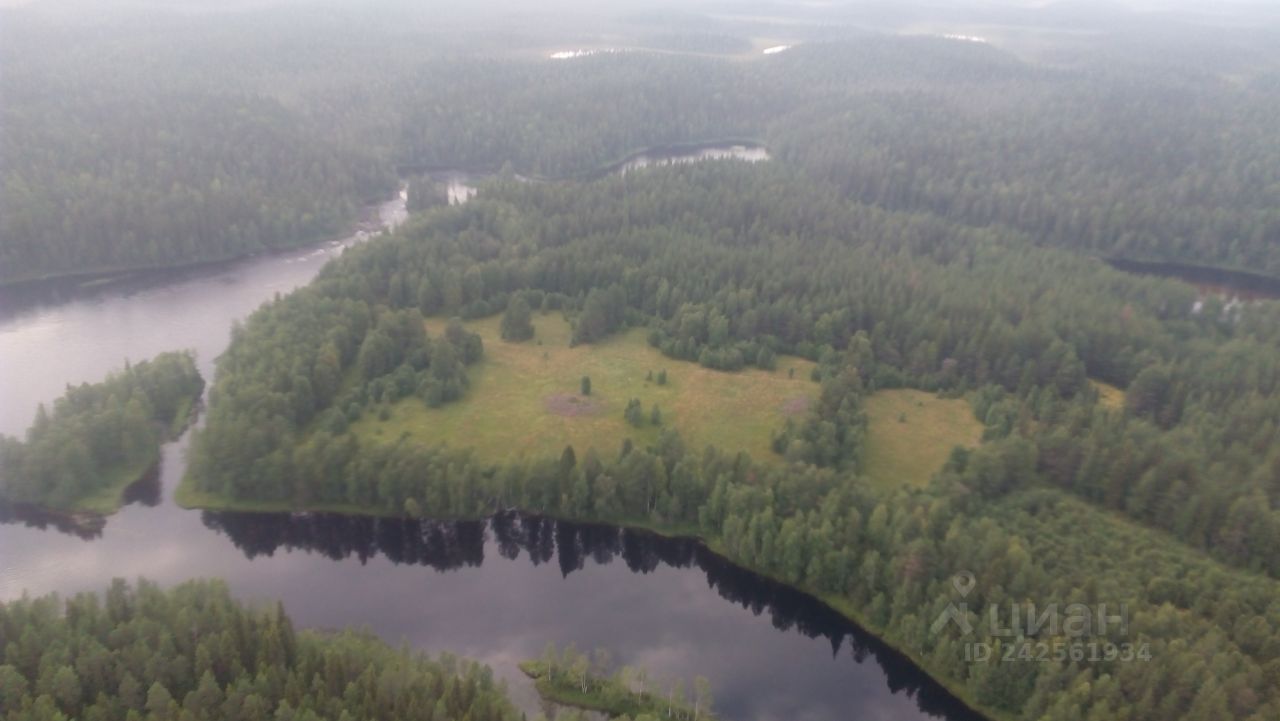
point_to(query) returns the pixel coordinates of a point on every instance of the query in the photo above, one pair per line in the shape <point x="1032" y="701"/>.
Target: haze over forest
<point x="717" y="359"/>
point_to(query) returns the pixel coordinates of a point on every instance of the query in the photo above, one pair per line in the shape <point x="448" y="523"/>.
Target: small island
<point x="586" y="681"/>
<point x="100" y="437"/>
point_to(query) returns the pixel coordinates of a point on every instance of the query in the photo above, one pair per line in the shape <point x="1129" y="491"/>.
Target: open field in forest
<point x="1109" y="396"/>
<point x="524" y="398"/>
<point x="911" y="433"/>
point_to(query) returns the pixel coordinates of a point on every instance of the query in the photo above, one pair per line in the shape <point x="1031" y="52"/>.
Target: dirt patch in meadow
<point x="570" y="405"/>
<point x="796" y="406"/>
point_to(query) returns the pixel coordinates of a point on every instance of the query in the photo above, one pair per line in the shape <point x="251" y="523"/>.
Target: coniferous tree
<point x="517" y="322"/>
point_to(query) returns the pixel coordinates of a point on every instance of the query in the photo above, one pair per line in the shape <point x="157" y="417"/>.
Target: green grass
<point x="504" y="414"/>
<point x="911" y="433"/>
<point x="1109" y="396"/>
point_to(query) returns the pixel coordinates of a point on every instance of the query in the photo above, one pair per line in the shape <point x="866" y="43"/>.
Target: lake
<point x="496" y="590"/>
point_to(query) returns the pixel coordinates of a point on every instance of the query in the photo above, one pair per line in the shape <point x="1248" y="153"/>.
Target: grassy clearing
<point x="911" y="433"/>
<point x="1109" y="396"/>
<point x="524" y="398"/>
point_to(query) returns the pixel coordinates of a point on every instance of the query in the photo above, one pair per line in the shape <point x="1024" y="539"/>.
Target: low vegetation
<point x="1109" y="396"/>
<point x="525" y="399"/>
<point x="910" y="433"/>
<point x="587" y="681"/>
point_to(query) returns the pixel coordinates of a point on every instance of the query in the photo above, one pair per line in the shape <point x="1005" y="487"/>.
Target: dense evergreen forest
<point x="1067" y="499"/>
<point x="120" y="153"/>
<point x="100" y="437"/>
<point x="935" y="215"/>
<point x="179" y="140"/>
<point x="194" y="654"/>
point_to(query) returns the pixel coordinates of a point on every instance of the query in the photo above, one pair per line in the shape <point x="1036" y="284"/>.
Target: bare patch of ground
<point x="796" y="406"/>
<point x="570" y="405"/>
<point x="524" y="400"/>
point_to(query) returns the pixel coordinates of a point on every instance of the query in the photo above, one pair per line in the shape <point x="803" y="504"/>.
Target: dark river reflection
<point x="1230" y="284"/>
<point x="578" y="548"/>
<point x="497" y="590"/>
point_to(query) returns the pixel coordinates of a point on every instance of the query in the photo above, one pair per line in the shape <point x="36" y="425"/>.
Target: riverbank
<point x="105" y="501"/>
<point x="1232" y="282"/>
<point x="669" y="150"/>
<point x="113" y="479"/>
<point x="189" y="497"/>
<point x="607" y="695"/>
<point x="674" y="150"/>
<point x="367" y="220"/>
<point x="111" y="497"/>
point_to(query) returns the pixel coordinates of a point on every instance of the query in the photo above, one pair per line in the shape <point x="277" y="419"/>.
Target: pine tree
<point x="517" y="323"/>
<point x="634" y="413"/>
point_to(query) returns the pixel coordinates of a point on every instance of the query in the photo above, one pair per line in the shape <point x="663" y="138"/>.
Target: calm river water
<point x="496" y="591"/>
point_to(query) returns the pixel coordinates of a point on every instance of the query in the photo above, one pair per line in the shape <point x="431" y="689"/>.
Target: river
<point x="1227" y="284"/>
<point x="496" y="591"/>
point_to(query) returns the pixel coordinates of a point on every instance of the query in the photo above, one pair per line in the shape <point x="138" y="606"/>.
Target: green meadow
<point x="1109" y="396"/>
<point x="911" y="433"/>
<point x="525" y="400"/>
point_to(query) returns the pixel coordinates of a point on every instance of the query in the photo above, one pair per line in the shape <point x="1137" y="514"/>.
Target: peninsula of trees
<point x="100" y="437"/>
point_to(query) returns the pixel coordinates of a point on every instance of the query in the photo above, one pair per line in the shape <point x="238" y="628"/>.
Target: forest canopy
<point x="100" y="437"/>
<point x="720" y="260"/>
<point x="193" y="653"/>
<point x="269" y="128"/>
<point x="936" y="217"/>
